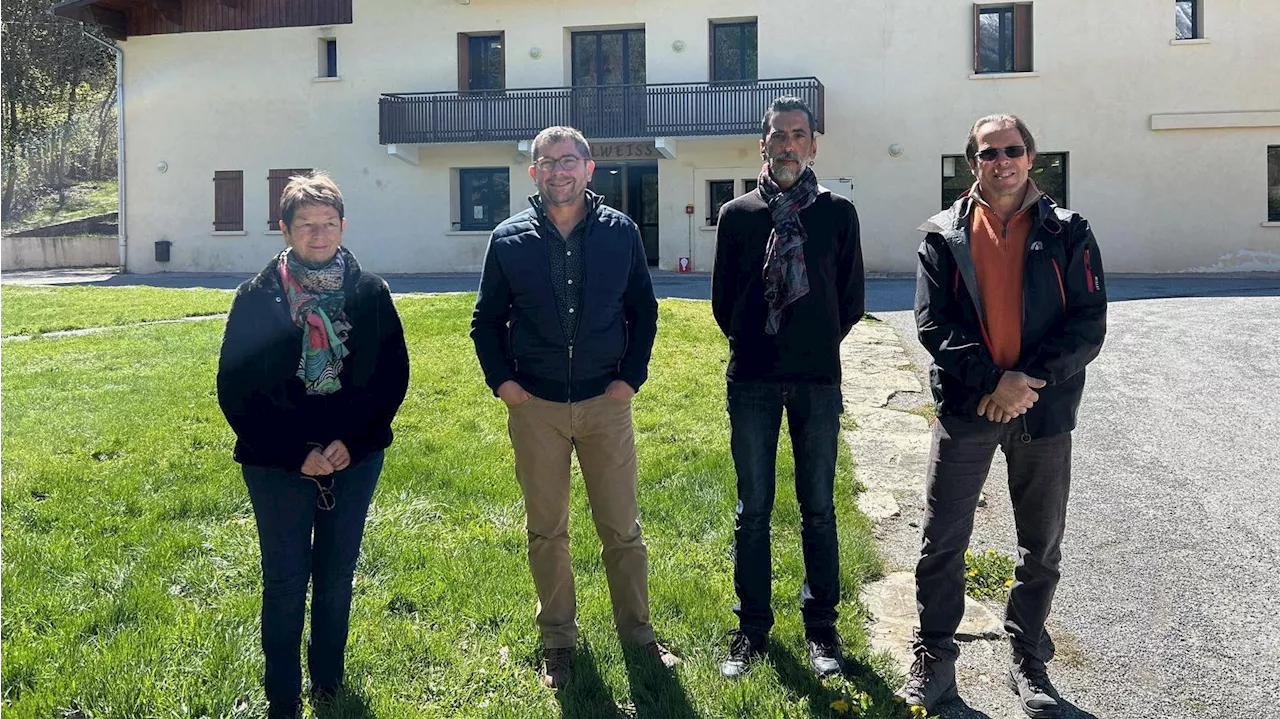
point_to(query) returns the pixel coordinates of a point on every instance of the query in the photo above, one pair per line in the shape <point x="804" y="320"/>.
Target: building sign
<point x="623" y="151"/>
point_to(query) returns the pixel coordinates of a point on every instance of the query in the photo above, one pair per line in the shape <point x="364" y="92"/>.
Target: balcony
<point x="687" y="109"/>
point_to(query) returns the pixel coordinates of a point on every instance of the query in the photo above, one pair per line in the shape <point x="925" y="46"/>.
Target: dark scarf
<point x="316" y="301"/>
<point x="786" y="279"/>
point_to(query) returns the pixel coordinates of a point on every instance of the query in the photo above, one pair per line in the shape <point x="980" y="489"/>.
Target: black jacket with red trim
<point x="1064" y="313"/>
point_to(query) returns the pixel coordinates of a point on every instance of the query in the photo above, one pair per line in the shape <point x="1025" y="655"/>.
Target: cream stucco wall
<point x="895" y="73"/>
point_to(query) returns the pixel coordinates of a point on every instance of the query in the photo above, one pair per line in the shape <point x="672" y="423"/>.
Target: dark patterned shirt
<point x="566" y="272"/>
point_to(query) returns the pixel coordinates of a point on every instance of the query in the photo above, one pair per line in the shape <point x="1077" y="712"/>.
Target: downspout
<point x="122" y="226"/>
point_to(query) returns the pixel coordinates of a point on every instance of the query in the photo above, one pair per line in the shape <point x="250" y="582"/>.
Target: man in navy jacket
<point x="564" y="327"/>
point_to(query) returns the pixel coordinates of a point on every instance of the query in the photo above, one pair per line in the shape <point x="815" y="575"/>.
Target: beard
<point x="786" y="172"/>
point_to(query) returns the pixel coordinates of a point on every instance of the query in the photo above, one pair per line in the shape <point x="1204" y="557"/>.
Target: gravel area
<point x="1169" y="573"/>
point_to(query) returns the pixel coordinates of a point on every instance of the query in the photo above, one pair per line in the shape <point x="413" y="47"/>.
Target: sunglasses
<point x="1011" y="152"/>
<point x="325" y="499"/>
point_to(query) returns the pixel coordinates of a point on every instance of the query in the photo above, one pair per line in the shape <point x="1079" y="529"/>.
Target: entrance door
<point x="609" y="83"/>
<point x="633" y="190"/>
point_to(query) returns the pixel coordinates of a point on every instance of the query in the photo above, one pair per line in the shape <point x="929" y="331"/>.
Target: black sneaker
<point x="1029" y="680"/>
<point x="743" y="650"/>
<point x="825" y="657"/>
<point x="930" y="682"/>
<point x="285" y="710"/>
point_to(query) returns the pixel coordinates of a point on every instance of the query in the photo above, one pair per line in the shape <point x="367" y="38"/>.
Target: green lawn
<point x="85" y="199"/>
<point x="131" y="576"/>
<point x="29" y="310"/>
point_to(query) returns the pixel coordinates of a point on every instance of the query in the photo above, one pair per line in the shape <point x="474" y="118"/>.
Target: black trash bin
<point x="162" y="250"/>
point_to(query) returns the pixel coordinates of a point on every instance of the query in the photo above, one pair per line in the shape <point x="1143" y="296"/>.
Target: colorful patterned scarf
<point x="786" y="279"/>
<point x="316" y="304"/>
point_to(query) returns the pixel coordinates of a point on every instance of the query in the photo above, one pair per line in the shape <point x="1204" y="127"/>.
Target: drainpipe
<point x="123" y="228"/>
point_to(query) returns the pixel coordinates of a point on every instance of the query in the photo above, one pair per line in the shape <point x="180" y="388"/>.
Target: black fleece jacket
<point x="276" y="422"/>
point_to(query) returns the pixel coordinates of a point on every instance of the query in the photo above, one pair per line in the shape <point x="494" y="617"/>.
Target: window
<point x="749" y="186"/>
<point x="956" y="178"/>
<point x="1002" y="38"/>
<point x="481" y="63"/>
<point x="1186" y="20"/>
<point x="1049" y="173"/>
<point x="733" y="51"/>
<point x="276" y="181"/>
<point x="1273" y="183"/>
<point x="328" y="57"/>
<point x="484" y="197"/>
<point x="228" y="201"/>
<point x="718" y="193"/>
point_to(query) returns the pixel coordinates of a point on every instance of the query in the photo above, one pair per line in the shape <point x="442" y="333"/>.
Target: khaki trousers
<point x="544" y="434"/>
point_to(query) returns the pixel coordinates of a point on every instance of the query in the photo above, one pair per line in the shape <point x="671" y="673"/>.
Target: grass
<point x="988" y="574"/>
<point x="84" y="199"/>
<point x="131" y="569"/>
<point x="32" y="310"/>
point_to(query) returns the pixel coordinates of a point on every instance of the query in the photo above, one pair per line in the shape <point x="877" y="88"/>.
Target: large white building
<point x="1159" y="120"/>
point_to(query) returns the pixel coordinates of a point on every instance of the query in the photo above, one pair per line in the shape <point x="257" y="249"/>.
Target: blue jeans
<point x="755" y="417"/>
<point x="301" y="542"/>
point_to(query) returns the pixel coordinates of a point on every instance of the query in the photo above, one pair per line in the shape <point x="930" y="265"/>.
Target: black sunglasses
<point x="325" y="499"/>
<point x="1011" y="152"/>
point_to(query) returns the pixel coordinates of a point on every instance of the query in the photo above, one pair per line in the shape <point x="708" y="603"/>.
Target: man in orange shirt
<point x="1011" y="304"/>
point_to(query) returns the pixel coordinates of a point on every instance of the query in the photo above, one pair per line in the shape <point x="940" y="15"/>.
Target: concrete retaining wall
<point x="47" y="253"/>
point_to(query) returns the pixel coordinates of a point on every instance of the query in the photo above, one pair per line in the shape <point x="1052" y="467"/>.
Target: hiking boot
<point x="556" y="663"/>
<point x="1029" y="680"/>
<point x="825" y="657"/>
<point x="743" y="650"/>
<point x="930" y="682"/>
<point x="661" y="654"/>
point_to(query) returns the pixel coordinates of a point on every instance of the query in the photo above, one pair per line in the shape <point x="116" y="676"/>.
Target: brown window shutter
<point x="464" y="62"/>
<point x="1022" y="34"/>
<point x="977" y="37"/>
<point x="228" y="201"/>
<point x="276" y="182"/>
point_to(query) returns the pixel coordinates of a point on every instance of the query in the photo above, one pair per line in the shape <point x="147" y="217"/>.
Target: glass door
<point x="608" y="81"/>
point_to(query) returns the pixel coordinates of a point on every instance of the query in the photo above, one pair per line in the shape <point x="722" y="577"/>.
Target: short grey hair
<point x="560" y="133"/>
<point x="971" y="147"/>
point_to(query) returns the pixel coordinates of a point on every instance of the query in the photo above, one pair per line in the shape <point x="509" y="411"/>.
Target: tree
<point x="55" y="84"/>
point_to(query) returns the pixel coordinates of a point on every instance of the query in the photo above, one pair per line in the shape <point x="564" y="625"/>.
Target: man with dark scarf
<point x="313" y="368"/>
<point x="787" y="288"/>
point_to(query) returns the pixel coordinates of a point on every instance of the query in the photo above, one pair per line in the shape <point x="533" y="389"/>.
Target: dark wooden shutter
<point x="276" y="182"/>
<point x="228" y="201"/>
<point x="977" y="38"/>
<point x="1022" y="34"/>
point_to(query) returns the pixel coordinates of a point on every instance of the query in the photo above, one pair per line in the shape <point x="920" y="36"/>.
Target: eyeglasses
<point x="1011" y="152"/>
<point x="325" y="500"/>
<point x="548" y="164"/>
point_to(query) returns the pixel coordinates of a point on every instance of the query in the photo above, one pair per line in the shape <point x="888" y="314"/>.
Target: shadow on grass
<point x="655" y="690"/>
<point x="796" y="676"/>
<point x="585" y="695"/>
<point x="351" y="703"/>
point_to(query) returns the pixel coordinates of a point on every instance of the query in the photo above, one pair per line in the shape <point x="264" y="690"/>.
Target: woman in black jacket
<point x="313" y="369"/>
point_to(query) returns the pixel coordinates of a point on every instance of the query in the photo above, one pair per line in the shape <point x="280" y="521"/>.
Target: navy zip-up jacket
<point x="516" y="324"/>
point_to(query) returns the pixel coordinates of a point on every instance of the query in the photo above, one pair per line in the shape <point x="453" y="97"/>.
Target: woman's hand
<point x="338" y="456"/>
<point x="317" y="465"/>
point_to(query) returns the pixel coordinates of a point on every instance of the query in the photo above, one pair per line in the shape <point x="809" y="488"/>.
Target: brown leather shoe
<point x="556" y="663"/>
<point x="662" y="654"/>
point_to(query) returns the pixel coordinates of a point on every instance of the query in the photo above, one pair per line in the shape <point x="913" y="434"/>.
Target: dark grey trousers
<point x="1039" y="481"/>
